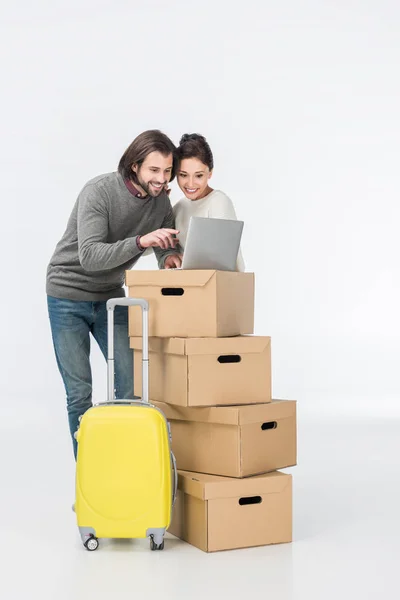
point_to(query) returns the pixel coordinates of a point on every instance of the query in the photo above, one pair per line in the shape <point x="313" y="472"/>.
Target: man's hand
<point x="163" y="238"/>
<point x="173" y="261"/>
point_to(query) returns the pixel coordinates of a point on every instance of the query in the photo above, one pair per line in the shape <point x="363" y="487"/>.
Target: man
<point x="115" y="218"/>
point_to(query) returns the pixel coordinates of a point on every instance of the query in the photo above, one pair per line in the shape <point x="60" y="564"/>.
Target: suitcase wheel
<point x="155" y="546"/>
<point x="92" y="543"/>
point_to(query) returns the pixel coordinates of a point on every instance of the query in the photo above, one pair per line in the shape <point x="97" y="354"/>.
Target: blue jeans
<point x="71" y="323"/>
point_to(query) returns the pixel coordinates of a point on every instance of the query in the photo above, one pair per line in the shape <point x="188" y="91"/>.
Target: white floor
<point x="346" y="527"/>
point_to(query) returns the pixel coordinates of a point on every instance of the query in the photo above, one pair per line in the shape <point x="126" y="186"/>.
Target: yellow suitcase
<point x="126" y="475"/>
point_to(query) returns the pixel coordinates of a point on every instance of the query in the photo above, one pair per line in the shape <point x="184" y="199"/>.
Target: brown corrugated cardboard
<point x="234" y="441"/>
<point x="220" y="513"/>
<point x="206" y="371"/>
<point x="192" y="303"/>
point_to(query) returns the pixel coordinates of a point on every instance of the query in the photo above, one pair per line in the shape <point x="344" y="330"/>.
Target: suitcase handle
<point x="175" y="491"/>
<point x="111" y="304"/>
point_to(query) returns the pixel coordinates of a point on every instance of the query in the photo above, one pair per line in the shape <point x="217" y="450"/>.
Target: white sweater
<point x="216" y="205"/>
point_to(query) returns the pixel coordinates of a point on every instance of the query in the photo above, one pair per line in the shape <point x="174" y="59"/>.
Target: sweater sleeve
<point x="168" y="223"/>
<point x="222" y="208"/>
<point x="95" y="253"/>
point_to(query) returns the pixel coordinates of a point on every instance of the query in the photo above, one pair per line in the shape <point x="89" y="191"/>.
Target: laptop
<point x="212" y="244"/>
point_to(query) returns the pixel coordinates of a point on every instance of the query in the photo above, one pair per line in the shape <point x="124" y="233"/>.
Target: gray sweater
<point x="99" y="243"/>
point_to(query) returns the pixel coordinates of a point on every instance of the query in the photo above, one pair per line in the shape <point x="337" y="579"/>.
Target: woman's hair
<point x="145" y="143"/>
<point x="193" y="145"/>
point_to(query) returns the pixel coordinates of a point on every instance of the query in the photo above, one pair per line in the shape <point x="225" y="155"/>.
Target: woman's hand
<point x="173" y="261"/>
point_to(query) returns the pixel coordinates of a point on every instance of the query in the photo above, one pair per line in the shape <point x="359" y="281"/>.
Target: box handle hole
<point x="250" y="500"/>
<point x="172" y="291"/>
<point x="269" y="425"/>
<point x="229" y="358"/>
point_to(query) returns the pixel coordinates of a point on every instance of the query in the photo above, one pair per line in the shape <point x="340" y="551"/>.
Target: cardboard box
<point x="234" y="441"/>
<point x="220" y="513"/>
<point x="192" y="303"/>
<point x="206" y="371"/>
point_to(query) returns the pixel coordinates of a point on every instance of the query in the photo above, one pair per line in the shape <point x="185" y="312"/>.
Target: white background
<point x="300" y="103"/>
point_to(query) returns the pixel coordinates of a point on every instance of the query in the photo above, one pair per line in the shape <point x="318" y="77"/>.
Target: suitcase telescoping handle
<point x="111" y="304"/>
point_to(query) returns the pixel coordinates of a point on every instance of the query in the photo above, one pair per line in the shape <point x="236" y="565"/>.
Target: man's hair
<point x="193" y="145"/>
<point x="149" y="141"/>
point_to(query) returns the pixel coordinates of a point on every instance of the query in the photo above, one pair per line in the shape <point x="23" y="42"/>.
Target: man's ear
<point x="134" y="168"/>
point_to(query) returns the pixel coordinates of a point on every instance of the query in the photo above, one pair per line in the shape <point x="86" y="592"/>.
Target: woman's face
<point x="193" y="176"/>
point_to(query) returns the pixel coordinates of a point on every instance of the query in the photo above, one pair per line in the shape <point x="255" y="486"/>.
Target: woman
<point x="195" y="165"/>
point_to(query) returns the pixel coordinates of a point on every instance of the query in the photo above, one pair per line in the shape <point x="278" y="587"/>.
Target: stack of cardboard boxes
<point x="212" y="380"/>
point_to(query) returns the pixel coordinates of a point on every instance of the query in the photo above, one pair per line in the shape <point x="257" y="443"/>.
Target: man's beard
<point x="146" y="187"/>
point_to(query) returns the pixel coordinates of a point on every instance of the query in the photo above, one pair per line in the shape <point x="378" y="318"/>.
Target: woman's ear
<point x="210" y="174"/>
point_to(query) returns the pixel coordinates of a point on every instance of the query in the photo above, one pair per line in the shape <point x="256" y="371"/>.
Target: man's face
<point x="154" y="173"/>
